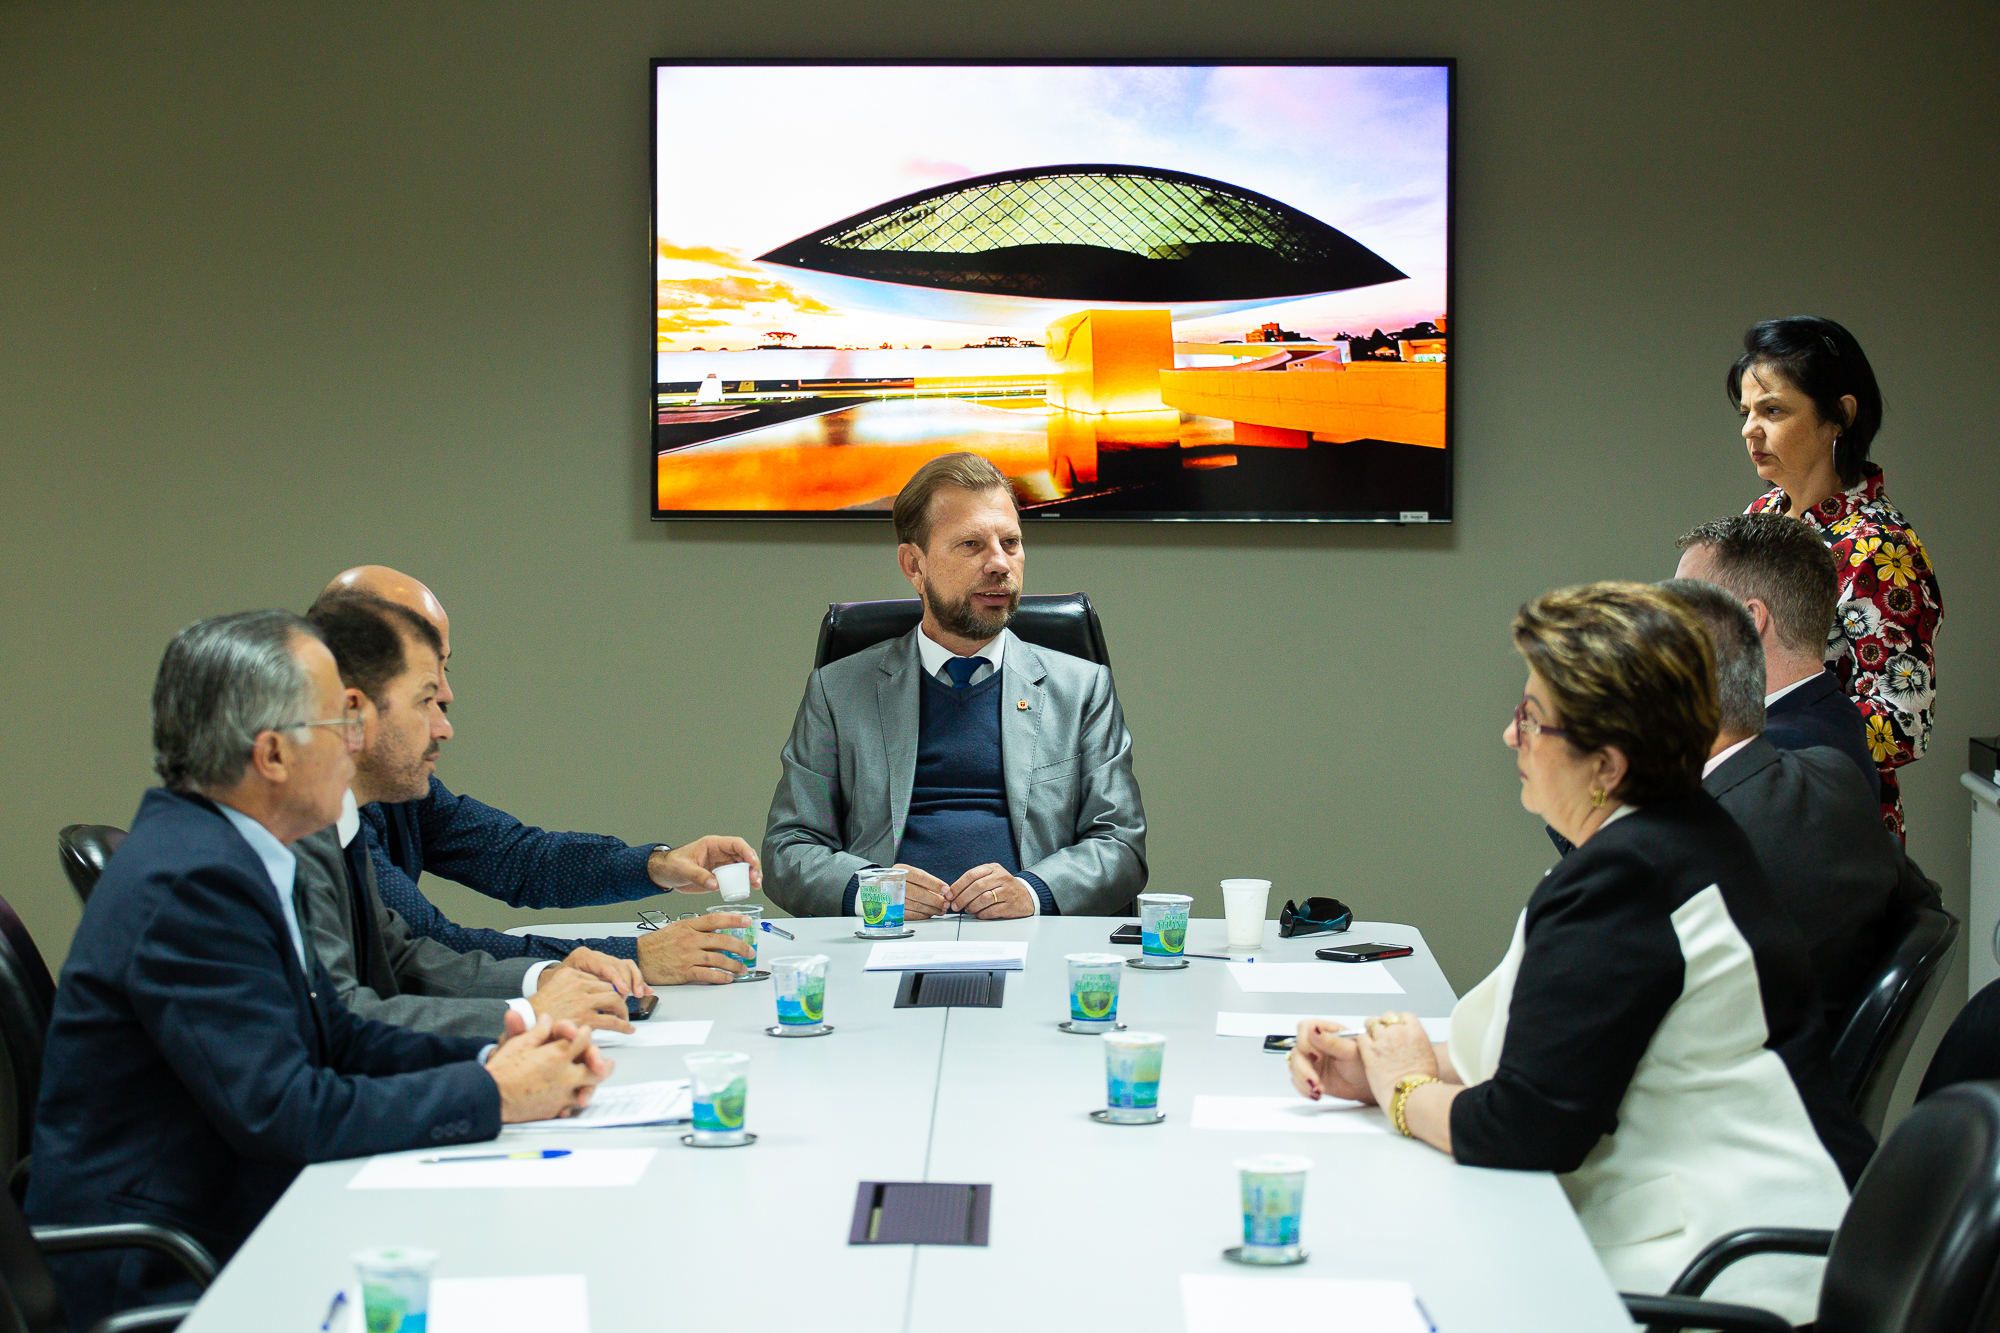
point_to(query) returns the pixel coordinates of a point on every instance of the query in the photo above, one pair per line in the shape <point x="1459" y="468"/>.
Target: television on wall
<point x="1156" y="290"/>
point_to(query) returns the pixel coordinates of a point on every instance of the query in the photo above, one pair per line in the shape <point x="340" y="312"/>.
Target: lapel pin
<point x="1021" y="704"/>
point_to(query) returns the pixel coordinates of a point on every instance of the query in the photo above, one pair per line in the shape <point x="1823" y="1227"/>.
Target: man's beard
<point x="397" y="777"/>
<point x="966" y="620"/>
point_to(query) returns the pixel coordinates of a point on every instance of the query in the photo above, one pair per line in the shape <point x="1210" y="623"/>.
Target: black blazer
<point x="1818" y="834"/>
<point x="193" y="1067"/>
<point x="1820" y="713"/>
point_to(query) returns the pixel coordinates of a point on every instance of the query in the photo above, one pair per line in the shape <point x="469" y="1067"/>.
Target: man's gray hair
<point x="221" y="682"/>
<point x="1739" y="653"/>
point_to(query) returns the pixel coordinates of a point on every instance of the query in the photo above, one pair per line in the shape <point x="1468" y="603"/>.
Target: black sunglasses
<point x="1318" y="916"/>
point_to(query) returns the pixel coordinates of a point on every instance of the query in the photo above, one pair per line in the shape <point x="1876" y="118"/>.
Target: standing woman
<point x="1810" y="410"/>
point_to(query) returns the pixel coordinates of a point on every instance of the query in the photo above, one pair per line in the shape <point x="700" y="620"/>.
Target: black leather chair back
<point x="27" y="998"/>
<point x="1918" y="1250"/>
<point x="85" y="848"/>
<point x="1868" y="1056"/>
<point x="32" y="1303"/>
<point x="1066" y="622"/>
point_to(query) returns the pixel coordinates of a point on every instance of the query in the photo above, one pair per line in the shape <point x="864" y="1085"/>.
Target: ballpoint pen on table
<point x="540" y="1155"/>
<point x="333" y="1311"/>
<point x="777" y="931"/>
<point x="1219" y="957"/>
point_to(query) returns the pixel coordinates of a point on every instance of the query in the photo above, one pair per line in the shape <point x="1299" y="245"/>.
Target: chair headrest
<point x="1065" y="622"/>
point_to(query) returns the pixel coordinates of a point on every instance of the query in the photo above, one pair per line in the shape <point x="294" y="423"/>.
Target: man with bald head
<point x="473" y="844"/>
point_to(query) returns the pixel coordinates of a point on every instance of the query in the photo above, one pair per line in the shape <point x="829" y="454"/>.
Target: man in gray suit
<point x="998" y="774"/>
<point x="1816" y="828"/>
<point x="389" y="662"/>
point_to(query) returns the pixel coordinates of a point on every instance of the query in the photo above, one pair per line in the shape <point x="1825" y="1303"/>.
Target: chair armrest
<point x="1727" y="1248"/>
<point x="1668" y="1312"/>
<point x="145" y="1317"/>
<point x="129" y="1235"/>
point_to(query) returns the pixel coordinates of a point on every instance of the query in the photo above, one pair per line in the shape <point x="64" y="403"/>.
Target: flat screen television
<point x="1162" y="290"/>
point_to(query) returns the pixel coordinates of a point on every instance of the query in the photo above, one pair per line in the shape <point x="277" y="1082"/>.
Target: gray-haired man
<point x="999" y="774"/>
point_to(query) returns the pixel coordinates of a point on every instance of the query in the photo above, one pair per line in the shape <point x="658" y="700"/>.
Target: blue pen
<point x="333" y="1311"/>
<point x="1429" y="1322"/>
<point x="775" y="931"/>
<point x="543" y="1155"/>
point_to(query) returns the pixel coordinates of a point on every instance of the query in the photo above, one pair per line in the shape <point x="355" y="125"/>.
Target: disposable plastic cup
<point x="800" y="986"/>
<point x="395" y="1288"/>
<point x="734" y="881"/>
<point x="1132" y="1076"/>
<point x="878" y="900"/>
<point x="745" y="936"/>
<point x="1163" y="924"/>
<point x="1093" y="990"/>
<point x="719" y="1082"/>
<point x="1274" y="1197"/>
<point x="1246" y="904"/>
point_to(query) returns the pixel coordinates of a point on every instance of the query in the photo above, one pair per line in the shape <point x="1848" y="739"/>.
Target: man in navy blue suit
<point x="1780" y="569"/>
<point x="471" y="843"/>
<point x="198" y="1056"/>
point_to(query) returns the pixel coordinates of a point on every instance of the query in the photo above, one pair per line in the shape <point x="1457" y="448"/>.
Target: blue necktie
<point x="960" y="670"/>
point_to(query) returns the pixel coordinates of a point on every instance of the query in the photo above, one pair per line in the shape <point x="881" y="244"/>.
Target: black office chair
<point x="1971" y="1046"/>
<point x="1066" y="622"/>
<point x="32" y="1303"/>
<point x="1916" y="1253"/>
<point x="84" y="849"/>
<point x="27" y="998"/>
<point x="1869" y="1053"/>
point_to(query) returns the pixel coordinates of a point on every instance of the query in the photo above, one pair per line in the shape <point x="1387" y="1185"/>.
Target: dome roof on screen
<point x="1081" y="235"/>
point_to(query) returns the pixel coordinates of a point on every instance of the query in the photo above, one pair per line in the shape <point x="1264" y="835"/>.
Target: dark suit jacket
<point x="1818" y="834"/>
<point x="378" y="966"/>
<point x="193" y="1067"/>
<point x="471" y="843"/>
<point x="1820" y="713"/>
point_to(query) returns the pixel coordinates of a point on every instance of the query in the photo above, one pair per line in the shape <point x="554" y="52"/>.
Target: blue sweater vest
<point x="958" y="800"/>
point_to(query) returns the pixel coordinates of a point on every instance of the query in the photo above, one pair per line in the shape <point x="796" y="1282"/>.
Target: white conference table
<point x="1091" y="1225"/>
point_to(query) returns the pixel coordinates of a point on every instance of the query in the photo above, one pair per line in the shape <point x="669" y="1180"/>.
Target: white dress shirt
<point x="1784" y="690"/>
<point x="280" y="864"/>
<point x="1718" y="760"/>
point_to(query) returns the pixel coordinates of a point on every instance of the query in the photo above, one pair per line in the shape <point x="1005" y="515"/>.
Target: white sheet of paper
<point x="1234" y="1024"/>
<point x="1289" y="1115"/>
<point x="557" y="1304"/>
<point x="949" y="956"/>
<point x="613" y="1106"/>
<point x="583" y="1167"/>
<point x="658" y="1032"/>
<point x="1315" y="978"/>
<point x="1214" y="1304"/>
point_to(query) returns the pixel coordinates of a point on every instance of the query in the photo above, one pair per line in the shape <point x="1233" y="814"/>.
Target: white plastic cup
<point x="734" y="881"/>
<point x="395" y="1287"/>
<point x="1274" y="1200"/>
<point x="1246" y="905"/>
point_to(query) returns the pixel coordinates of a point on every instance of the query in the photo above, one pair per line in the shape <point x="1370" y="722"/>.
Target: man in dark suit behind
<point x="1779" y="569"/>
<point x="198" y="1056"/>
<point x="1814" y="824"/>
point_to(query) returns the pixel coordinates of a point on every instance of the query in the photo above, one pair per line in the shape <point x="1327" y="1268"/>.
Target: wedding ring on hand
<point x="1384" y="1021"/>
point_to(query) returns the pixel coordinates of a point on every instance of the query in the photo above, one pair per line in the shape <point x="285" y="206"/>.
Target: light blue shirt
<point x="280" y="864"/>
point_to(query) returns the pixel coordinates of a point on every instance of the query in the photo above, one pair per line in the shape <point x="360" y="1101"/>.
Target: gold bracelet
<point x="1399" y="1097"/>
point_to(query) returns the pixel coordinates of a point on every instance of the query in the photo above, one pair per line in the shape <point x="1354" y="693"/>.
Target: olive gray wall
<point x="284" y="288"/>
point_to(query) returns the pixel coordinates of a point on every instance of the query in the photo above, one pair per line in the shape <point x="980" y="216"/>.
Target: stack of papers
<point x="949" y="956"/>
<point x="583" y="1167"/>
<point x="1232" y="1304"/>
<point x="664" y="1103"/>
<point x="1315" y="978"/>
<point x="1228" y="1024"/>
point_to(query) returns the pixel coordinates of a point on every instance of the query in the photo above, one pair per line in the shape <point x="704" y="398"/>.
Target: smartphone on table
<point x="1364" y="953"/>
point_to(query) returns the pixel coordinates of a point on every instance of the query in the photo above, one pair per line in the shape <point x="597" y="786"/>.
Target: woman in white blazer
<point x="1652" y="1033"/>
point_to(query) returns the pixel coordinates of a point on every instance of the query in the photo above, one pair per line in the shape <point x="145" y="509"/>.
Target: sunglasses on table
<point x="1315" y="916"/>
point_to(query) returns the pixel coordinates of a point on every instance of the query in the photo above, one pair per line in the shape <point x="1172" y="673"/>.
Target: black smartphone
<point x="1364" y="953"/>
<point x="1274" y="1042"/>
<point x="1126" y="934"/>
<point x="639" y="1007"/>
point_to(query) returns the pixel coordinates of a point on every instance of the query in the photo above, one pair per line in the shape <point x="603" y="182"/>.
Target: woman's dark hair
<point x="1824" y="362"/>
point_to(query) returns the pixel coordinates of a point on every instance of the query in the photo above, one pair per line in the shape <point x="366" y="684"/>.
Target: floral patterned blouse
<point x="1890" y="606"/>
